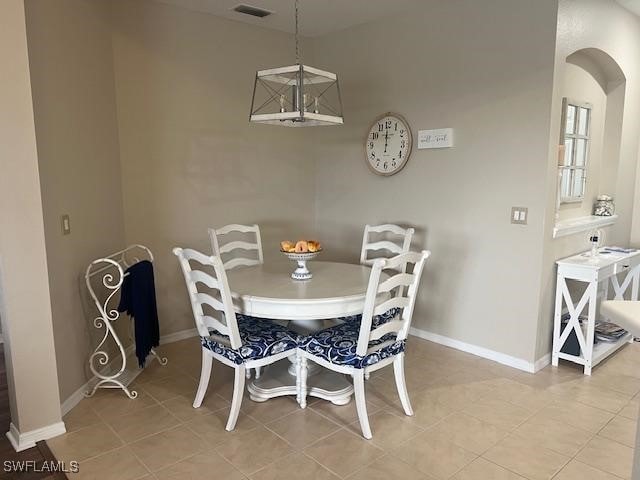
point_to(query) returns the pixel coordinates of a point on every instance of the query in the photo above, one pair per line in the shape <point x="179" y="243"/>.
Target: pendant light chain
<point x="297" y="45"/>
<point x="290" y="96"/>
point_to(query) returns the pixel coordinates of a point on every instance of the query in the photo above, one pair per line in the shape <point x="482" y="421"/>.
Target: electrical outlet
<point x="519" y="215"/>
<point x="66" y="224"/>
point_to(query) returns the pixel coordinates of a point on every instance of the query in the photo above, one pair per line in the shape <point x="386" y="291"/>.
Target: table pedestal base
<point x="277" y="381"/>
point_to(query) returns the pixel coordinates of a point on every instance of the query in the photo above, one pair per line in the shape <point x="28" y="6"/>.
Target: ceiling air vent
<point x="253" y="11"/>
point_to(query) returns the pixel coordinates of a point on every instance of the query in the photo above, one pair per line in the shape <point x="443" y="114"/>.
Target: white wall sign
<point x="440" y="138"/>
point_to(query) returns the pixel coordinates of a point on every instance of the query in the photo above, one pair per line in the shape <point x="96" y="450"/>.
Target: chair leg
<point x="248" y="373"/>
<point x="238" y="393"/>
<point x="205" y="375"/>
<point x="367" y="375"/>
<point x="398" y="370"/>
<point x="303" y="382"/>
<point x="361" y="404"/>
<point x="258" y="372"/>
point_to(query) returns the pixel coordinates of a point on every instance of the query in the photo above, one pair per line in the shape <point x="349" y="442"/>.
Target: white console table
<point x="606" y="269"/>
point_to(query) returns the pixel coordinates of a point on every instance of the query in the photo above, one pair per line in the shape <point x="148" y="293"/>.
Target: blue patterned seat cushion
<point x="260" y="338"/>
<point x="376" y="321"/>
<point x="338" y="344"/>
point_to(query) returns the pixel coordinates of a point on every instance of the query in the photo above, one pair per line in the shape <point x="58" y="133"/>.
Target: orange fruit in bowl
<point x="302" y="246"/>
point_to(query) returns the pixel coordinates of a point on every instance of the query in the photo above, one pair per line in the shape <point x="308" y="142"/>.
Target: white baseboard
<point x="499" y="357"/>
<point x="542" y="362"/>
<point x="177" y="336"/>
<point x="23" y="440"/>
<point x="75" y="397"/>
<point x="78" y="395"/>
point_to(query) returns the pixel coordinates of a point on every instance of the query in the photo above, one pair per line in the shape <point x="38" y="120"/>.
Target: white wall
<point x="190" y="158"/>
<point x="485" y="69"/>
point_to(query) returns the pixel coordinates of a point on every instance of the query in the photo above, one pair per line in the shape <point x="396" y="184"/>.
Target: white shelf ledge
<point x="602" y="350"/>
<point x="572" y="226"/>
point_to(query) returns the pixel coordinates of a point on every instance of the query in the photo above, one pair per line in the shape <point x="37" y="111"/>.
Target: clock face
<point x="388" y="144"/>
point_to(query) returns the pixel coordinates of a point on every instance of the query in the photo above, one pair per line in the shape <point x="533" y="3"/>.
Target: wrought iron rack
<point x="112" y="270"/>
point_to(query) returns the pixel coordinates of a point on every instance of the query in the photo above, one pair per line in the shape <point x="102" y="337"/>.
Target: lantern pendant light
<point x="297" y="95"/>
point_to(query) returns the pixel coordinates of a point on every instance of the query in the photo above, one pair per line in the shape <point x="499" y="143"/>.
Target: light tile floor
<point x="474" y="420"/>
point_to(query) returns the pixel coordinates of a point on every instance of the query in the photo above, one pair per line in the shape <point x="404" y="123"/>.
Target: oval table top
<point x="268" y="291"/>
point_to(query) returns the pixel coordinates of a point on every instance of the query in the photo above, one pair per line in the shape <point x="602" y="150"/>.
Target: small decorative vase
<point x="604" y="206"/>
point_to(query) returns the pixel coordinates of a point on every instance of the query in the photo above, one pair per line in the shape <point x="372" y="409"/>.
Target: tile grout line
<point x="311" y="409"/>
<point x="155" y="433"/>
<point x="321" y="464"/>
<point x="193" y="455"/>
<point x="124" y="444"/>
<point x="199" y="437"/>
<point x="344" y="425"/>
<point x="258" y="425"/>
<point x="503" y="467"/>
<point x="350" y="433"/>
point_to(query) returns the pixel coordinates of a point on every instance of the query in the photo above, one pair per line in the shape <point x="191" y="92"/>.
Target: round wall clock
<point x="388" y="144"/>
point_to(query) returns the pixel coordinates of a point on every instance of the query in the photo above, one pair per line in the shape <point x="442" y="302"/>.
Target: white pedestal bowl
<point x="302" y="272"/>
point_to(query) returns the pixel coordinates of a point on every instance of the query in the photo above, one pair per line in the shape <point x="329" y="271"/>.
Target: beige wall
<point x="190" y="158"/>
<point x="485" y="69"/>
<point x="24" y="288"/>
<point x="603" y="25"/>
<point x="76" y="124"/>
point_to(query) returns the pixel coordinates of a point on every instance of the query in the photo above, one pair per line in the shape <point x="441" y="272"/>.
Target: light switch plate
<point x="65" y="223"/>
<point x="440" y="138"/>
<point x="519" y="215"/>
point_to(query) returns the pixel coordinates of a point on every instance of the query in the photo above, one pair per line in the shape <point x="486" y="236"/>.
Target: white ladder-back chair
<point x="403" y="244"/>
<point x="230" y="339"/>
<point x="232" y="248"/>
<point x="360" y="349"/>
<point x="237" y="253"/>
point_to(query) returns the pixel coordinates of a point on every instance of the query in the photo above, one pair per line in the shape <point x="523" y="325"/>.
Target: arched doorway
<point x="593" y="92"/>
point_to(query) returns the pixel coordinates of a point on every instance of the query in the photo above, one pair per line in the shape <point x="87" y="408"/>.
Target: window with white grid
<point x="576" y="122"/>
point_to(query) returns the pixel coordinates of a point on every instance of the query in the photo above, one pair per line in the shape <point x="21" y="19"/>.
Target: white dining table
<point x="268" y="291"/>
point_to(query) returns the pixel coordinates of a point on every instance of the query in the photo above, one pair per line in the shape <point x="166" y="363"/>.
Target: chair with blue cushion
<point x="358" y="349"/>
<point x="238" y="246"/>
<point x="235" y="340"/>
<point x="390" y="240"/>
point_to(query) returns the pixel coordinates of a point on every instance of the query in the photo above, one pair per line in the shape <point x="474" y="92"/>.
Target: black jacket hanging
<point x="138" y="299"/>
